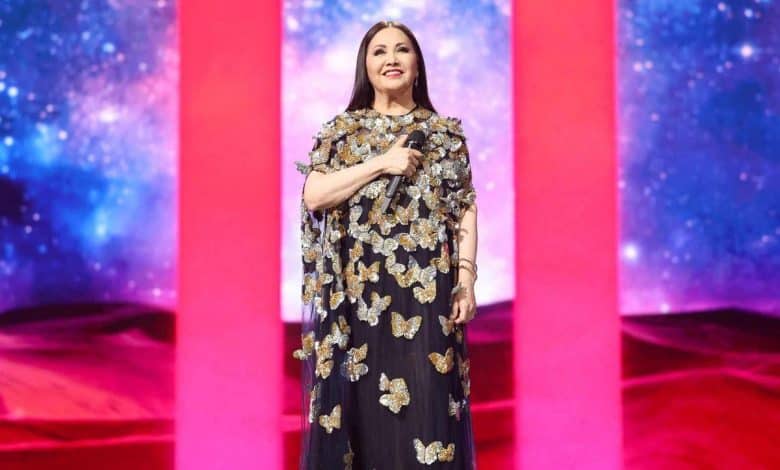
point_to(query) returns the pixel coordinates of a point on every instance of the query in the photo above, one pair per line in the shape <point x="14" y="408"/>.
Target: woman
<point x="387" y="295"/>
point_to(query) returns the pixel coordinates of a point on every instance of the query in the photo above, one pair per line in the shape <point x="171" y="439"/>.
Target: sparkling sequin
<point x="447" y="325"/>
<point x="324" y="353"/>
<point x="433" y="452"/>
<point x="331" y="421"/>
<point x="349" y="457"/>
<point x="397" y="396"/>
<point x="339" y="332"/>
<point x="453" y="407"/>
<point x="314" y="402"/>
<point x="404" y="328"/>
<point x="352" y="368"/>
<point x="443" y="363"/>
<point x="463" y="372"/>
<point x="307" y="346"/>
<point x="371" y="314"/>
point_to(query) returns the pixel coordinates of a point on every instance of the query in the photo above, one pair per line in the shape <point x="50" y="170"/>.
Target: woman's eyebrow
<point x="382" y="45"/>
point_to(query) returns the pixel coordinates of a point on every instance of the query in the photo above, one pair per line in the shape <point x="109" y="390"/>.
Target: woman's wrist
<point x="466" y="275"/>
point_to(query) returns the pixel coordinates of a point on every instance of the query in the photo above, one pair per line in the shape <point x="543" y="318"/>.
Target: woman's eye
<point x="380" y="51"/>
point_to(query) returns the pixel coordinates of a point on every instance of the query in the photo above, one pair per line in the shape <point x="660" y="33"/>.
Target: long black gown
<point x="385" y="372"/>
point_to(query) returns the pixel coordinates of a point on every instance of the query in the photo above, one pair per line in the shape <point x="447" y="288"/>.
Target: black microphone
<point x="415" y="140"/>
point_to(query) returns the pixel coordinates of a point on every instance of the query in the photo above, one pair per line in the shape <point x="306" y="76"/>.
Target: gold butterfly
<point x="394" y="267"/>
<point x="332" y="421"/>
<point x="447" y="325"/>
<point x="427" y="275"/>
<point x="355" y="286"/>
<point x="463" y="371"/>
<point x="324" y="353"/>
<point x="434" y="451"/>
<point x="398" y="395"/>
<point x="355" y="212"/>
<point x="335" y="299"/>
<point x="309" y="287"/>
<point x="424" y="233"/>
<point x="356" y="251"/>
<point x="406" y="241"/>
<point x="443" y="363"/>
<point x="339" y="332"/>
<point x="352" y="368"/>
<point x="406" y="277"/>
<point x="307" y="346"/>
<point x="425" y="294"/>
<point x="453" y="407"/>
<point x="404" y="215"/>
<point x="381" y="245"/>
<point x="371" y="314"/>
<point x="314" y="405"/>
<point x="323" y="314"/>
<point x="348" y="457"/>
<point x="442" y="263"/>
<point x="370" y="273"/>
<point x="406" y="328"/>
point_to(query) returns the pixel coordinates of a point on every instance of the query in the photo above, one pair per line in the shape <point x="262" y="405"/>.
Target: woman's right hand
<point x="399" y="160"/>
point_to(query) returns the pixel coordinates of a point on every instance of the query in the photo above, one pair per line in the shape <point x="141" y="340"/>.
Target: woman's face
<point x="391" y="50"/>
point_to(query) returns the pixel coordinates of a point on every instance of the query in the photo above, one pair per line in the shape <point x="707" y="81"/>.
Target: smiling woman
<point x="387" y="295"/>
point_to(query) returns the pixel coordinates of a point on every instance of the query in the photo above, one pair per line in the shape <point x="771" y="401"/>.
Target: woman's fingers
<point x="454" y="312"/>
<point x="465" y="311"/>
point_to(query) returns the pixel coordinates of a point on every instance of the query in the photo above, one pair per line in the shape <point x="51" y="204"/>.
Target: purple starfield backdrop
<point x="699" y="88"/>
<point x="88" y="100"/>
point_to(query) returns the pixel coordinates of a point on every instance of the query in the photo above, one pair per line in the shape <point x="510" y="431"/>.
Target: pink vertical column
<point x="567" y="328"/>
<point x="229" y="341"/>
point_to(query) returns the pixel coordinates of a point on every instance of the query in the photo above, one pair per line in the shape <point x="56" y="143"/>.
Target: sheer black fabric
<point x="385" y="373"/>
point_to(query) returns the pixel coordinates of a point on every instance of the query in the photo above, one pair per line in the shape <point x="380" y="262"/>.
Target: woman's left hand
<point x="464" y="305"/>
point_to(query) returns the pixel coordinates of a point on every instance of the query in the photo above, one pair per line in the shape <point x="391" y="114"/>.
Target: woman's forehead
<point x="389" y="37"/>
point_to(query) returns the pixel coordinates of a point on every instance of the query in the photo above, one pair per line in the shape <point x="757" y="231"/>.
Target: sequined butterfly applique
<point x="371" y="314"/>
<point x="314" y="404"/>
<point x="339" y="332"/>
<point x="307" y="346"/>
<point x="324" y="353"/>
<point x="434" y="451"/>
<point x="404" y="328"/>
<point x="443" y="363"/>
<point x="447" y="325"/>
<point x="453" y="407"/>
<point x="352" y="368"/>
<point x="397" y="396"/>
<point x="331" y="421"/>
<point x="463" y="372"/>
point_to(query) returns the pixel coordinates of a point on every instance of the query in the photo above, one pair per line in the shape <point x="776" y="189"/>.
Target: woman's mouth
<point x="393" y="74"/>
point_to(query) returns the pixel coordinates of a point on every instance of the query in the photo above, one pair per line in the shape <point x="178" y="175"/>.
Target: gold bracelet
<point x="471" y="271"/>
<point x="468" y="261"/>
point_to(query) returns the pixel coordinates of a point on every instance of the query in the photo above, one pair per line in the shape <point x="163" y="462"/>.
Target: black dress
<point x="385" y="372"/>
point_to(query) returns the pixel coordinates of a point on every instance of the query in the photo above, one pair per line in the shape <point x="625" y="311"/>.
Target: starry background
<point x="699" y="143"/>
<point x="87" y="151"/>
<point x="88" y="142"/>
<point x="466" y="50"/>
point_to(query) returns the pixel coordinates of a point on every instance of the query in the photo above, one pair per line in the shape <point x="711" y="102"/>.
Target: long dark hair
<point x="363" y="91"/>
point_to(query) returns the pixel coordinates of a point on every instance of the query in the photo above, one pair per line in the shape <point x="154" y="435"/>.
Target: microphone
<point x="415" y="140"/>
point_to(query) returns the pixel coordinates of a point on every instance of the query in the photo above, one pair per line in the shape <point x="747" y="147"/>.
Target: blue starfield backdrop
<point x="699" y="89"/>
<point x="87" y="151"/>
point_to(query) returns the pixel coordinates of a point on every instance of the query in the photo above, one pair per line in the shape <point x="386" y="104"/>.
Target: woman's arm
<point x="321" y="190"/>
<point x="465" y="305"/>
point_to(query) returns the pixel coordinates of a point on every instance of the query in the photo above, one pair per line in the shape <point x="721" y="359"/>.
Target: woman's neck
<point x="391" y="105"/>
